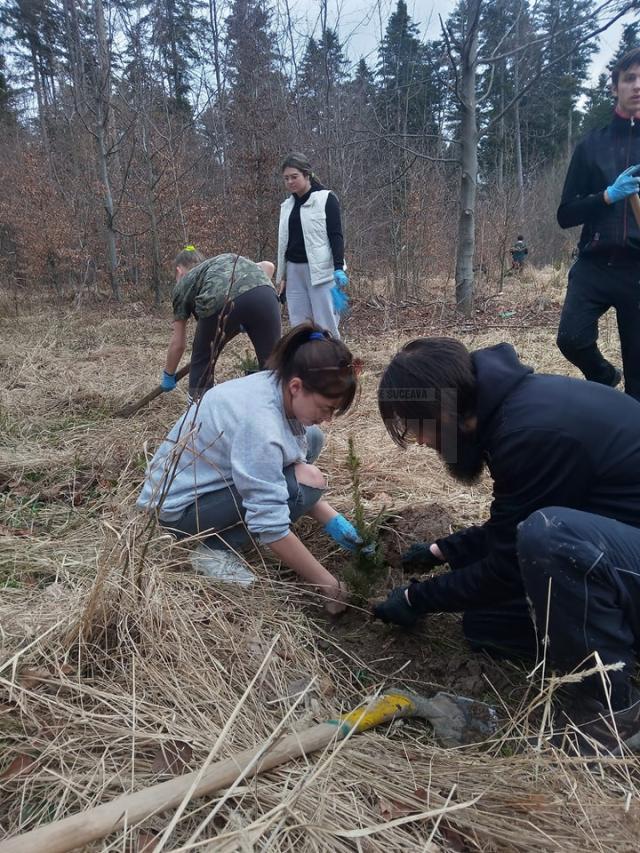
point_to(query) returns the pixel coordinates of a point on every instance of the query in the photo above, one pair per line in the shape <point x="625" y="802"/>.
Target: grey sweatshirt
<point x="240" y="436"/>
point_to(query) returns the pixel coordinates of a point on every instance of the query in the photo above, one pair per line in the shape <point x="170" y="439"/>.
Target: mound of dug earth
<point x="414" y="523"/>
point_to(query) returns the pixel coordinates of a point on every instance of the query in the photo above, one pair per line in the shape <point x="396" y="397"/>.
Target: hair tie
<point x="189" y="248"/>
<point x="317" y="336"/>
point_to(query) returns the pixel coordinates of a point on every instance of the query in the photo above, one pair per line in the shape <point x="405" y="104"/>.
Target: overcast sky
<point x="361" y="23"/>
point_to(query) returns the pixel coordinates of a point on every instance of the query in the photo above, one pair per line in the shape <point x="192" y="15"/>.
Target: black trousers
<point x="594" y="287"/>
<point x="581" y="574"/>
<point x="256" y="312"/>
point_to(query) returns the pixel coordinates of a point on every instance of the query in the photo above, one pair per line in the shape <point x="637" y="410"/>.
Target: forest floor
<point x="120" y="668"/>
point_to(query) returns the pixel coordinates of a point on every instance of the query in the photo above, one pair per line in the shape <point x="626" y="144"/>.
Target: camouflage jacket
<point x="205" y="289"/>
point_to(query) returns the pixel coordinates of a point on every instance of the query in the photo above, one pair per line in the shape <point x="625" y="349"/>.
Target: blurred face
<point x="456" y="444"/>
<point x="628" y="91"/>
<point x="308" y="407"/>
<point x="296" y="181"/>
<point x="424" y="433"/>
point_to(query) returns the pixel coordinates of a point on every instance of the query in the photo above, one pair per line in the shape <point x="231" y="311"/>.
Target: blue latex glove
<point x="627" y="183"/>
<point x="343" y="532"/>
<point x="339" y="291"/>
<point x="168" y="382"/>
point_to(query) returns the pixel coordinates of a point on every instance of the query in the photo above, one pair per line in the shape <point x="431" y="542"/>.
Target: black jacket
<point x="608" y="229"/>
<point x="548" y="441"/>
<point x="296" y="251"/>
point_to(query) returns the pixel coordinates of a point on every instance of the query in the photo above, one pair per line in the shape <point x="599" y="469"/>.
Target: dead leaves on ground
<point x="21" y="765"/>
<point x="42" y="677"/>
<point x="172" y="758"/>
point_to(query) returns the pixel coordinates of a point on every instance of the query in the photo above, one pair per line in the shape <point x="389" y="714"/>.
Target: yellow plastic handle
<point x="389" y="707"/>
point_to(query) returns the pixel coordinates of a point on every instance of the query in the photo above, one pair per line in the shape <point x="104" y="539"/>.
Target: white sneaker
<point x="219" y="565"/>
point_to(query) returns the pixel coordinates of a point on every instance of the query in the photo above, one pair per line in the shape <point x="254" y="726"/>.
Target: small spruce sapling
<point x="248" y="363"/>
<point x="367" y="566"/>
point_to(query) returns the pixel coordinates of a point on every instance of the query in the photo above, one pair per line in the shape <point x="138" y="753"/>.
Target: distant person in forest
<point x="519" y="252"/>
<point x="604" y="173"/>
<point x="311" y="249"/>
<point x="239" y="465"/>
<point x="227" y="294"/>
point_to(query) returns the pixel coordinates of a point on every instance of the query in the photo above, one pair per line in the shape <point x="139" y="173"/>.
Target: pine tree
<point x="598" y="105"/>
<point x="551" y="112"/>
<point x="600" y="100"/>
<point x="407" y="90"/>
<point x="629" y="41"/>
<point x="255" y="113"/>
<point x="321" y="91"/>
<point x="35" y="29"/>
<point x="7" y="110"/>
<point x="176" y="30"/>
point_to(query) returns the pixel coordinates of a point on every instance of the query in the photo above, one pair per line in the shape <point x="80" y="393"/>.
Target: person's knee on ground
<point x="505" y="631"/>
<point x="306" y="485"/>
<point x="539" y="543"/>
<point x="310" y="475"/>
<point x="575" y="598"/>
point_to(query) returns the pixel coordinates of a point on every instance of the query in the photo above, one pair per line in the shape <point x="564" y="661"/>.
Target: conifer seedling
<point x="367" y="566"/>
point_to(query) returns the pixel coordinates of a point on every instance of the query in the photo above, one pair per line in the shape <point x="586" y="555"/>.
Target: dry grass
<point x="111" y="649"/>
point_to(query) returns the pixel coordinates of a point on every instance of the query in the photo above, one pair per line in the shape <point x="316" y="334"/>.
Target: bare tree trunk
<point x="220" y="93"/>
<point x="156" y="263"/>
<point x="40" y="99"/>
<point x="518" y="146"/>
<point x="103" y="107"/>
<point x="468" y="162"/>
<point x="294" y="65"/>
<point x="74" y="46"/>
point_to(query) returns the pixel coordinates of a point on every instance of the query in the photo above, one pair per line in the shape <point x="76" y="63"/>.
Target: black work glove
<point x="396" y="609"/>
<point x="419" y="556"/>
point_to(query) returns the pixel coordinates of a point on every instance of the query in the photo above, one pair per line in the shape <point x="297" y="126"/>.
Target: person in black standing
<point x="603" y="174"/>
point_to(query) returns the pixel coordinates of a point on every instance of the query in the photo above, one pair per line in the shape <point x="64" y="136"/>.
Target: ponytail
<point x="324" y="364"/>
<point x="189" y="257"/>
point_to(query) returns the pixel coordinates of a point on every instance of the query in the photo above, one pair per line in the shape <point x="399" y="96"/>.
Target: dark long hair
<point x="298" y="161"/>
<point x="324" y="364"/>
<point x="430" y="380"/>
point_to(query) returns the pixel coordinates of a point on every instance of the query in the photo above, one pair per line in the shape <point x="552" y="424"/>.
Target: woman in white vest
<point x="311" y="249"/>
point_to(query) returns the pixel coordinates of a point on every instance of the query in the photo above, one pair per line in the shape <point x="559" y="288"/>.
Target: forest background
<point x="128" y="129"/>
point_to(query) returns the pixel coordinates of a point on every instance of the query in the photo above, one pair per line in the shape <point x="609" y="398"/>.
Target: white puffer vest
<point x="313" y="219"/>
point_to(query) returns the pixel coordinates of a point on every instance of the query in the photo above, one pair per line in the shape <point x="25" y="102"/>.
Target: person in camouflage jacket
<point x="227" y="294"/>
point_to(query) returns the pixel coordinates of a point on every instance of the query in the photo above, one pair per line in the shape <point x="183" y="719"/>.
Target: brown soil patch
<point x="435" y="655"/>
<point x="414" y="523"/>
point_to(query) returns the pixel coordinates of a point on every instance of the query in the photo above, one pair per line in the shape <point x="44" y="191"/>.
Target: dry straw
<point x="119" y="667"/>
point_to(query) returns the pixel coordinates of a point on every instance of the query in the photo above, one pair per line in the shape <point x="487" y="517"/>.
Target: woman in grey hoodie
<point x="238" y="464"/>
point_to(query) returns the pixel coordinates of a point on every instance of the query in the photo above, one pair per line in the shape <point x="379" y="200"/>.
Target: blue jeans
<point x="585" y="570"/>
<point x="222" y="511"/>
